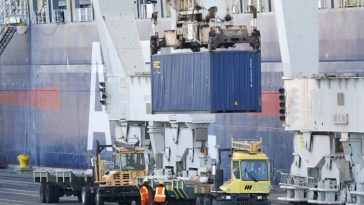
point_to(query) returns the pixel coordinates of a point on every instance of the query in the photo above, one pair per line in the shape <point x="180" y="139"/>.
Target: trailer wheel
<point x="42" y="193"/>
<point x="49" y="193"/>
<point x="199" y="200"/>
<point x="207" y="201"/>
<point x="56" y="193"/>
<point x="87" y="197"/>
<point x="79" y="197"/>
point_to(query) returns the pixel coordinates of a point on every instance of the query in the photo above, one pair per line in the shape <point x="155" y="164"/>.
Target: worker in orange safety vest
<point x="146" y="193"/>
<point x="161" y="195"/>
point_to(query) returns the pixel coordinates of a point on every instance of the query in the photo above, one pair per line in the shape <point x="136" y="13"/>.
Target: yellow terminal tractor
<point x="250" y="177"/>
<point x="118" y="184"/>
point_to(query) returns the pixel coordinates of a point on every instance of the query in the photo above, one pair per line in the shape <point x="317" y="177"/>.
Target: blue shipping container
<point x="222" y="81"/>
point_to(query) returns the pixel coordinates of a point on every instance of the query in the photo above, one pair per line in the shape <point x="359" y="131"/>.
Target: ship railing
<point x="329" y="4"/>
<point x="351" y="3"/>
<point x="13" y="12"/>
<point x="324" y="4"/>
<point x="299" y="181"/>
<point x="260" y="5"/>
<point x="146" y="11"/>
<point x="59" y="16"/>
<point x="39" y="17"/>
<point x="83" y="15"/>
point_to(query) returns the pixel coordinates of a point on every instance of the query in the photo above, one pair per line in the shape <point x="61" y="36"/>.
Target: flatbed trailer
<point x="123" y="195"/>
<point x="59" y="184"/>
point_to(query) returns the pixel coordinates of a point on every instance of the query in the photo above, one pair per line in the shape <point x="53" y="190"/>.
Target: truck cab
<point x="119" y="182"/>
<point x="128" y="165"/>
<point x="250" y="174"/>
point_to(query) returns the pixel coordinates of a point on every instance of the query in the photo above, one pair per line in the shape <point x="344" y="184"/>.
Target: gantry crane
<point x="176" y="144"/>
<point x="324" y="113"/>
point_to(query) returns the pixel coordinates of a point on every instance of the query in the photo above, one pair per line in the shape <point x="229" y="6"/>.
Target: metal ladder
<point x="6" y="35"/>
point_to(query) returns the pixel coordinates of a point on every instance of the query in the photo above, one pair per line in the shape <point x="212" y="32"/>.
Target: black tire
<point x="199" y="200"/>
<point x="99" y="200"/>
<point x="87" y="197"/>
<point x="42" y="193"/>
<point x="49" y="193"/>
<point x="207" y="201"/>
<point x="79" y="197"/>
<point x="57" y="193"/>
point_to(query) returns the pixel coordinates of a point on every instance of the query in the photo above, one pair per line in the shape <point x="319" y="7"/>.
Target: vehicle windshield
<point x="132" y="161"/>
<point x="116" y="158"/>
<point x="254" y="170"/>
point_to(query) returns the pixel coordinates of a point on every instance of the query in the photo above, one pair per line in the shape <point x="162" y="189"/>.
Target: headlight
<point x="259" y="197"/>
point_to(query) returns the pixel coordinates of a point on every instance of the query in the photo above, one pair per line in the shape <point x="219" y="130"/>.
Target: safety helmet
<point x="145" y="180"/>
<point x="161" y="182"/>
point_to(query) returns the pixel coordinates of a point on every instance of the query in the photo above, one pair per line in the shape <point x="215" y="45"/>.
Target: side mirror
<point x="93" y="162"/>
